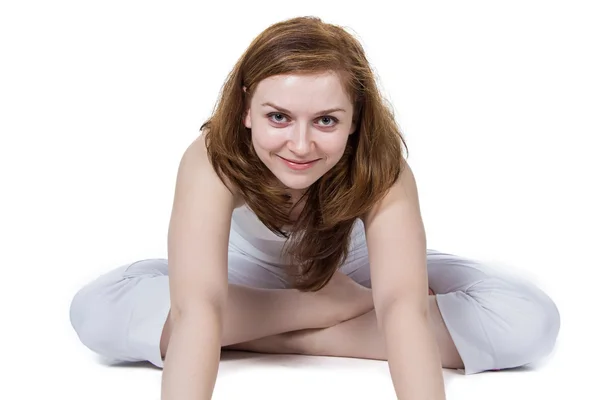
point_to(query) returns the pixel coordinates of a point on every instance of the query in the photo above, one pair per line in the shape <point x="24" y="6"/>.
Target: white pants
<point x="495" y="321"/>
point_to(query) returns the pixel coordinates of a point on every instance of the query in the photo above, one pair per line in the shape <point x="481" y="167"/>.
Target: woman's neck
<point x="295" y="195"/>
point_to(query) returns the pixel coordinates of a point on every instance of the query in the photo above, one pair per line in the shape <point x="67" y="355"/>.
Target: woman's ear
<point x="353" y="126"/>
<point x="247" y="119"/>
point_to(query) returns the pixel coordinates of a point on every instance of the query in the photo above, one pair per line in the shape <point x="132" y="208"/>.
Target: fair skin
<point x="396" y="320"/>
<point x="287" y="122"/>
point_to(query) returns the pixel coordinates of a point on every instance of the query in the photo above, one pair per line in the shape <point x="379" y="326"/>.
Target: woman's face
<point x="301" y="118"/>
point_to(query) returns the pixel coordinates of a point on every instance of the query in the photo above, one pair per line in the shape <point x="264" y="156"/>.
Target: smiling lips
<point x="298" y="165"/>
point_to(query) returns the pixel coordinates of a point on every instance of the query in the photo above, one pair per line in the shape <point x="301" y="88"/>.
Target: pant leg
<point x="496" y="320"/>
<point x="121" y="314"/>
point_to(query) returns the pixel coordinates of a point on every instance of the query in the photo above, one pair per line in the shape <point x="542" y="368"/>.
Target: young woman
<point x="296" y="228"/>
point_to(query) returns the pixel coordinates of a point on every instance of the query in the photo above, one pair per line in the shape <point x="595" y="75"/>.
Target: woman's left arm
<point x="396" y="243"/>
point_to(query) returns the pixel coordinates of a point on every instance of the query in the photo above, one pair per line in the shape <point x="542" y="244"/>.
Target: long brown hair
<point x="317" y="245"/>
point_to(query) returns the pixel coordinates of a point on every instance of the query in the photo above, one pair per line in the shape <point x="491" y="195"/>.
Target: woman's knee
<point x="522" y="321"/>
<point x="100" y="311"/>
<point x="97" y="318"/>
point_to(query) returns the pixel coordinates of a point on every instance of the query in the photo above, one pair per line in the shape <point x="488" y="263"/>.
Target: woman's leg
<point x="355" y="338"/>
<point x="482" y="321"/>
<point x="123" y="314"/>
<point x="496" y="321"/>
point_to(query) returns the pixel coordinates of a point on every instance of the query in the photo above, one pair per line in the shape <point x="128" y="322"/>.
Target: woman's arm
<point x="197" y="245"/>
<point x="398" y="258"/>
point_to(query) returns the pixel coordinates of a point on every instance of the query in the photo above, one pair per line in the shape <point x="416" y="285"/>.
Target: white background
<point x="499" y="103"/>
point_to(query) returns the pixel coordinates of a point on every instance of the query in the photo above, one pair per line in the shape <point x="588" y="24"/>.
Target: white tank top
<point x="250" y="236"/>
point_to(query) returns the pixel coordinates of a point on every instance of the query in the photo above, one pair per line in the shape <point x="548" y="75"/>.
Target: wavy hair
<point x="318" y="242"/>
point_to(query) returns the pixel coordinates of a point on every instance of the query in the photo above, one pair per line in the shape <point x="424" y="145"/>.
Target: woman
<point x="296" y="228"/>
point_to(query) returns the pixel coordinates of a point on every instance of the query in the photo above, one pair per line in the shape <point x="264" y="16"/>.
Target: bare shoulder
<point x="406" y="185"/>
<point x="196" y="155"/>
<point x="404" y="190"/>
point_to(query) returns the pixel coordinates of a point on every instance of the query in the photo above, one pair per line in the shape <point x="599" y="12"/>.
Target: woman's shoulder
<point x="198" y="152"/>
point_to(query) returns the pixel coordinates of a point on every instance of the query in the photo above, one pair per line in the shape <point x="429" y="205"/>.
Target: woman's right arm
<point x="198" y="240"/>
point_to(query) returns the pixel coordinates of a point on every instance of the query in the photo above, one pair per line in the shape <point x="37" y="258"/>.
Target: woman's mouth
<point x="297" y="164"/>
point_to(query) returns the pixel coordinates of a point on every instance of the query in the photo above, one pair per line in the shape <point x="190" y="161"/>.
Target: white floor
<point x="244" y="375"/>
<point x="48" y="360"/>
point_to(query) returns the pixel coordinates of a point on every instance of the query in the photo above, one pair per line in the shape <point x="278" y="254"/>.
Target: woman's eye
<point x="332" y="119"/>
<point x="329" y="121"/>
<point x="276" y="114"/>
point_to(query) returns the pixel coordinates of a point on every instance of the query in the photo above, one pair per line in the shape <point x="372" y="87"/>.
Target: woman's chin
<point x="296" y="185"/>
<point x="298" y="182"/>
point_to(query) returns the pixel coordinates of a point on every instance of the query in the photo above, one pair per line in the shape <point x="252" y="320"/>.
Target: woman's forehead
<point x="284" y="91"/>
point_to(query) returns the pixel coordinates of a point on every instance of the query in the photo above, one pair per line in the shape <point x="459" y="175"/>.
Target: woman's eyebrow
<point x="330" y="110"/>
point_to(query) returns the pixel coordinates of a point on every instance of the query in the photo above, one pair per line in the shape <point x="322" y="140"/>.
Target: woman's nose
<point x="300" y="141"/>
